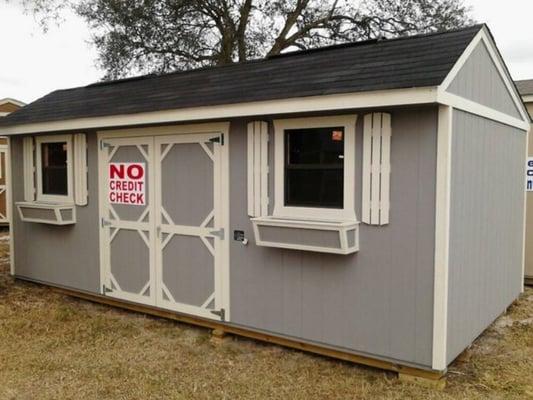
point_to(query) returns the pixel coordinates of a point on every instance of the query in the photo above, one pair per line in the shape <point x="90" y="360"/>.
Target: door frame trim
<point x="105" y="246"/>
<point x="211" y="128"/>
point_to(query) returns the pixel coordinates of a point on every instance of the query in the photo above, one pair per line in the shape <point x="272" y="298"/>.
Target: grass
<point x="56" y="347"/>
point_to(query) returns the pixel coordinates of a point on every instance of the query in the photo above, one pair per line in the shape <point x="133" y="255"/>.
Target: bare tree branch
<point x="146" y="36"/>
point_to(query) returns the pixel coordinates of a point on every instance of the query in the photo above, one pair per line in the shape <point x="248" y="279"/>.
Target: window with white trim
<point x="54" y="168"/>
<point x="315" y="168"/>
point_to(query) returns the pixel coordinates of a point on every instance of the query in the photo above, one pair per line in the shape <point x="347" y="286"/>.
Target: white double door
<point x="163" y="222"/>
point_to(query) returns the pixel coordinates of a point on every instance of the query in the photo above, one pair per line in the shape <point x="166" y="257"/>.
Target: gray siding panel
<point x="378" y="301"/>
<point x="62" y="255"/>
<point x="486" y="225"/>
<point x="479" y="81"/>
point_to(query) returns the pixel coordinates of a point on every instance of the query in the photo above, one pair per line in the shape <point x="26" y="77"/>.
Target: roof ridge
<point x="283" y="55"/>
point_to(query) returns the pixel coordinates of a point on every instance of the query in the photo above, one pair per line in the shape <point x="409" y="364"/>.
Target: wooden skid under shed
<point x="402" y="370"/>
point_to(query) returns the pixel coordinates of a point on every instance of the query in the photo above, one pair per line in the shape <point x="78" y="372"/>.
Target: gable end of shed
<point x="480" y="83"/>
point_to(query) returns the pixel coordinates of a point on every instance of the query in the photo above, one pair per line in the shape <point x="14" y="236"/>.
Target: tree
<point x="155" y="36"/>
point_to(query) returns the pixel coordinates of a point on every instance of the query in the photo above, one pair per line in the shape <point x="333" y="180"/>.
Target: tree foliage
<point x="153" y="36"/>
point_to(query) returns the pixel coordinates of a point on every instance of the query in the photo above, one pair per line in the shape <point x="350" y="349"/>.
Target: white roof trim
<point x="498" y="62"/>
<point x="12" y="101"/>
<point x="3" y="114"/>
<point x="337" y="102"/>
<point x="472" y="107"/>
<point x="527" y="98"/>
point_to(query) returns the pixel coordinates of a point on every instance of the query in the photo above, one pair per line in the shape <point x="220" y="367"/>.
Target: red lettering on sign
<point x="127" y="183"/>
<point x="116" y="171"/>
<point x="135" y="171"/>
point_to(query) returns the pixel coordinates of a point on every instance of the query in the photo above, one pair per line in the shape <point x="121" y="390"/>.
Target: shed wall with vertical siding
<point x="60" y="255"/>
<point x="378" y="301"/>
<point x="486" y="225"/>
<point x="479" y="80"/>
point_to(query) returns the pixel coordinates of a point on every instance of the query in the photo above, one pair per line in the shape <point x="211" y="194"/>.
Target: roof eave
<point x="334" y="102"/>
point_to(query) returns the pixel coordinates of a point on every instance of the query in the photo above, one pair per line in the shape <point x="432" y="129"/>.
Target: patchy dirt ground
<point x="56" y="347"/>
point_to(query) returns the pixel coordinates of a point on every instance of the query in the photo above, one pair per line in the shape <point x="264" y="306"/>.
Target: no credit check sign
<point x="127" y="183"/>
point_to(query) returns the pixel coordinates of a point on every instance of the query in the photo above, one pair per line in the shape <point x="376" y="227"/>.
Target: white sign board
<point x="127" y="183"/>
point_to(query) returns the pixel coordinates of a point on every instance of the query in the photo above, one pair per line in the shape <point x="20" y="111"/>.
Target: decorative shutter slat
<point x="264" y="169"/>
<point x="250" y="169"/>
<point x="29" y="168"/>
<point x="376" y="164"/>
<point x="367" y="165"/>
<point x="376" y="168"/>
<point x="385" y="169"/>
<point x="257" y="168"/>
<point x="80" y="169"/>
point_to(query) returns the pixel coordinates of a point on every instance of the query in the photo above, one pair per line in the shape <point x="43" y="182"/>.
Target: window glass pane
<point x="314" y="167"/>
<point x="54" y="168"/>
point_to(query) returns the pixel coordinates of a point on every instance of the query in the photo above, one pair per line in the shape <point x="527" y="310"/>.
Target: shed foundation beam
<point x="224" y="329"/>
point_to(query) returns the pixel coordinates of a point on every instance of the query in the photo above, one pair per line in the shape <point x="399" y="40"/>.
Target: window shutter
<point x="80" y="169"/>
<point x="376" y="168"/>
<point x="29" y="168"/>
<point x="257" y="169"/>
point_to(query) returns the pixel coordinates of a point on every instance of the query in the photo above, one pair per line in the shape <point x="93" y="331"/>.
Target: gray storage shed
<point x="364" y="201"/>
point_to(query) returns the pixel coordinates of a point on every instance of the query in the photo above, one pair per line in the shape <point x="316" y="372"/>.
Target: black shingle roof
<point x="416" y="61"/>
<point x="525" y="88"/>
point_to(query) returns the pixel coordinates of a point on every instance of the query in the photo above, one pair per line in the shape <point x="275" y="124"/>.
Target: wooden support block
<point x="439" y="384"/>
<point x="218" y="333"/>
<point x="218" y="336"/>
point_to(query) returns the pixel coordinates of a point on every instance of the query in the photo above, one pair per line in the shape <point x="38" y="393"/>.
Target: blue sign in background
<point x="529" y="174"/>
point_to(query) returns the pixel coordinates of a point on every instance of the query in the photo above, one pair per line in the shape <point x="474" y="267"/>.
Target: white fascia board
<point x="336" y="102"/>
<point x="528" y="98"/>
<point x="12" y="101"/>
<point x="472" y="107"/>
<point x="484" y="36"/>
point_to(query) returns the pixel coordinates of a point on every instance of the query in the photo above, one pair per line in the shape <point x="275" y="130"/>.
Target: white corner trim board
<point x="347" y="213"/>
<point x="524" y="222"/>
<point x="484" y="37"/>
<point x="257" y="168"/>
<point x="376" y="169"/>
<point x="442" y="238"/>
<point x="379" y="98"/>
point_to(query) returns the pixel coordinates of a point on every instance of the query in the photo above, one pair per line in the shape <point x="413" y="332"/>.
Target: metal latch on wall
<point x="104" y="223"/>
<point x="105" y="289"/>
<point x="219" y="233"/>
<point x="221" y="313"/>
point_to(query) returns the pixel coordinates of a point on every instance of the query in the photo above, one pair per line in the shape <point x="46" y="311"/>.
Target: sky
<point x="33" y="63"/>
